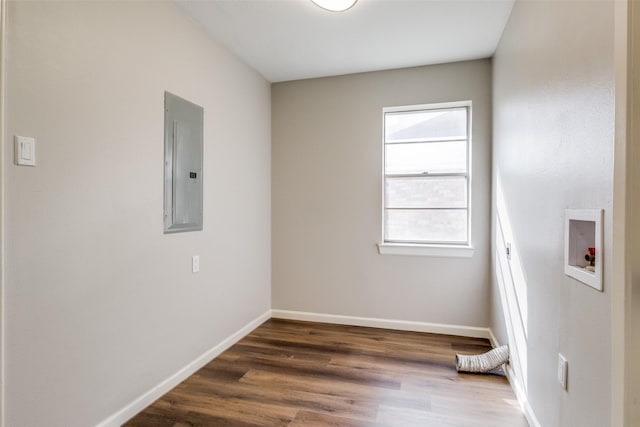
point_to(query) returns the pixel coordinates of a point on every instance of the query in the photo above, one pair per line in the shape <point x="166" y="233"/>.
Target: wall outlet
<point x="563" y="367"/>
<point x="195" y="263"/>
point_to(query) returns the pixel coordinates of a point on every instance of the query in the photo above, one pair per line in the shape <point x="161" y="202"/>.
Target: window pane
<point x="426" y="192"/>
<point x="449" y="226"/>
<point x="432" y="157"/>
<point x="426" y="124"/>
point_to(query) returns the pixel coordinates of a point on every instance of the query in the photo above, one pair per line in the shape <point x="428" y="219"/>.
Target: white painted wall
<point x="101" y="305"/>
<point x="553" y="149"/>
<point x="327" y="191"/>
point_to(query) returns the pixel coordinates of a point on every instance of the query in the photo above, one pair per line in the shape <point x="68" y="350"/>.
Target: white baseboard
<point x="492" y="338"/>
<point x="517" y="388"/>
<point x="158" y="391"/>
<point x="522" y="398"/>
<point x="435" y="328"/>
<point x="130" y="410"/>
<point x="400" y="325"/>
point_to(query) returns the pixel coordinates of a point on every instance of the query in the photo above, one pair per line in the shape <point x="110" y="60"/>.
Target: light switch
<point x="563" y="367"/>
<point x="25" y="150"/>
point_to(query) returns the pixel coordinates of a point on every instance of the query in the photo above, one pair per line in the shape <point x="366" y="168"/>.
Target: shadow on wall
<point x="512" y="284"/>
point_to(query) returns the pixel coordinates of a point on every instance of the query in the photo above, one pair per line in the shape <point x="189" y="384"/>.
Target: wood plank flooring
<point x="296" y="374"/>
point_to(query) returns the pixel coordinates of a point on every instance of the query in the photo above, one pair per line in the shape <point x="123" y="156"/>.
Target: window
<point x="427" y="175"/>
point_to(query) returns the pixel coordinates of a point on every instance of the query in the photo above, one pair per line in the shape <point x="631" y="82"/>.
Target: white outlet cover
<point x="195" y="263"/>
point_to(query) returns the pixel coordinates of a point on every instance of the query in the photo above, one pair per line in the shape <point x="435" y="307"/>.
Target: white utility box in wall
<point x="583" y="246"/>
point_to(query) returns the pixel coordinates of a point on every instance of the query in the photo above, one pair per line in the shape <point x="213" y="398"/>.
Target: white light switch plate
<point x="563" y="365"/>
<point x="195" y="263"/>
<point x="25" y="150"/>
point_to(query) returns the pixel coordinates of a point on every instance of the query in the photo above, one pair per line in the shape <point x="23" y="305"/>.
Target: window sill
<point x="449" y="251"/>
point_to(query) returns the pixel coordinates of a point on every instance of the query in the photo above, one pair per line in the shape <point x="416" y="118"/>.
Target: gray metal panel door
<point x="183" y="140"/>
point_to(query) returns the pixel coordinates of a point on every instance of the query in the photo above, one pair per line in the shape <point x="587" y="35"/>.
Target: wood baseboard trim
<point x="152" y="395"/>
<point x="399" y="325"/>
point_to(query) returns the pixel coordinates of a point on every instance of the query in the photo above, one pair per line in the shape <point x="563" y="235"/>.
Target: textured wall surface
<point x="101" y="305"/>
<point x="327" y="195"/>
<point x="553" y="146"/>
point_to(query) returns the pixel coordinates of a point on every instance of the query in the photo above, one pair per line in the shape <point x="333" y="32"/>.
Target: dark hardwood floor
<point x="297" y="374"/>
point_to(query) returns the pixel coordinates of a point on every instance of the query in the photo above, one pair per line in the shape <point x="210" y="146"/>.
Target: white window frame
<point x="457" y="250"/>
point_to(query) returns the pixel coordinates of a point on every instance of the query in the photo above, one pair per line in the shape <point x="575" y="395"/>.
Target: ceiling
<point x="295" y="39"/>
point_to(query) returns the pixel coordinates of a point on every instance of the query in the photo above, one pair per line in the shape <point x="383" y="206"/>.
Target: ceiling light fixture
<point x="335" y="5"/>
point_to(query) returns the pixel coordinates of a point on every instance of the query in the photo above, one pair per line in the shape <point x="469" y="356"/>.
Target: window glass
<point x="426" y="192"/>
<point x="429" y="225"/>
<point x="426" y="170"/>
<point x="429" y="157"/>
<point x="426" y="125"/>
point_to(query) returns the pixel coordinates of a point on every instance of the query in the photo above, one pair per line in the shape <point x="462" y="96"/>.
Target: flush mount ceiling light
<point x="335" y="5"/>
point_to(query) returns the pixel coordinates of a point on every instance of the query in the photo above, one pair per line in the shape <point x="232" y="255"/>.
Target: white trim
<point x="3" y="205"/>
<point x="434" y="106"/>
<point x="132" y="409"/>
<point x="468" y="106"/>
<point x="400" y="325"/>
<point x="517" y="388"/>
<point x="493" y="340"/>
<point x="434" y="328"/>
<point x="450" y="251"/>
<point x="620" y="279"/>
<point x="138" y="405"/>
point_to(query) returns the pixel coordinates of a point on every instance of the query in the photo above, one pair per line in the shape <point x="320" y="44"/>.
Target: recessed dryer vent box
<point x="583" y="246"/>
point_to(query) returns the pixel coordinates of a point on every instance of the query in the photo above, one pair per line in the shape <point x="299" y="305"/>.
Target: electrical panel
<point x="183" y="141"/>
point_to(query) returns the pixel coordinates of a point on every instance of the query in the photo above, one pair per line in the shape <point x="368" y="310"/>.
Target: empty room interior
<point x="317" y="210"/>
